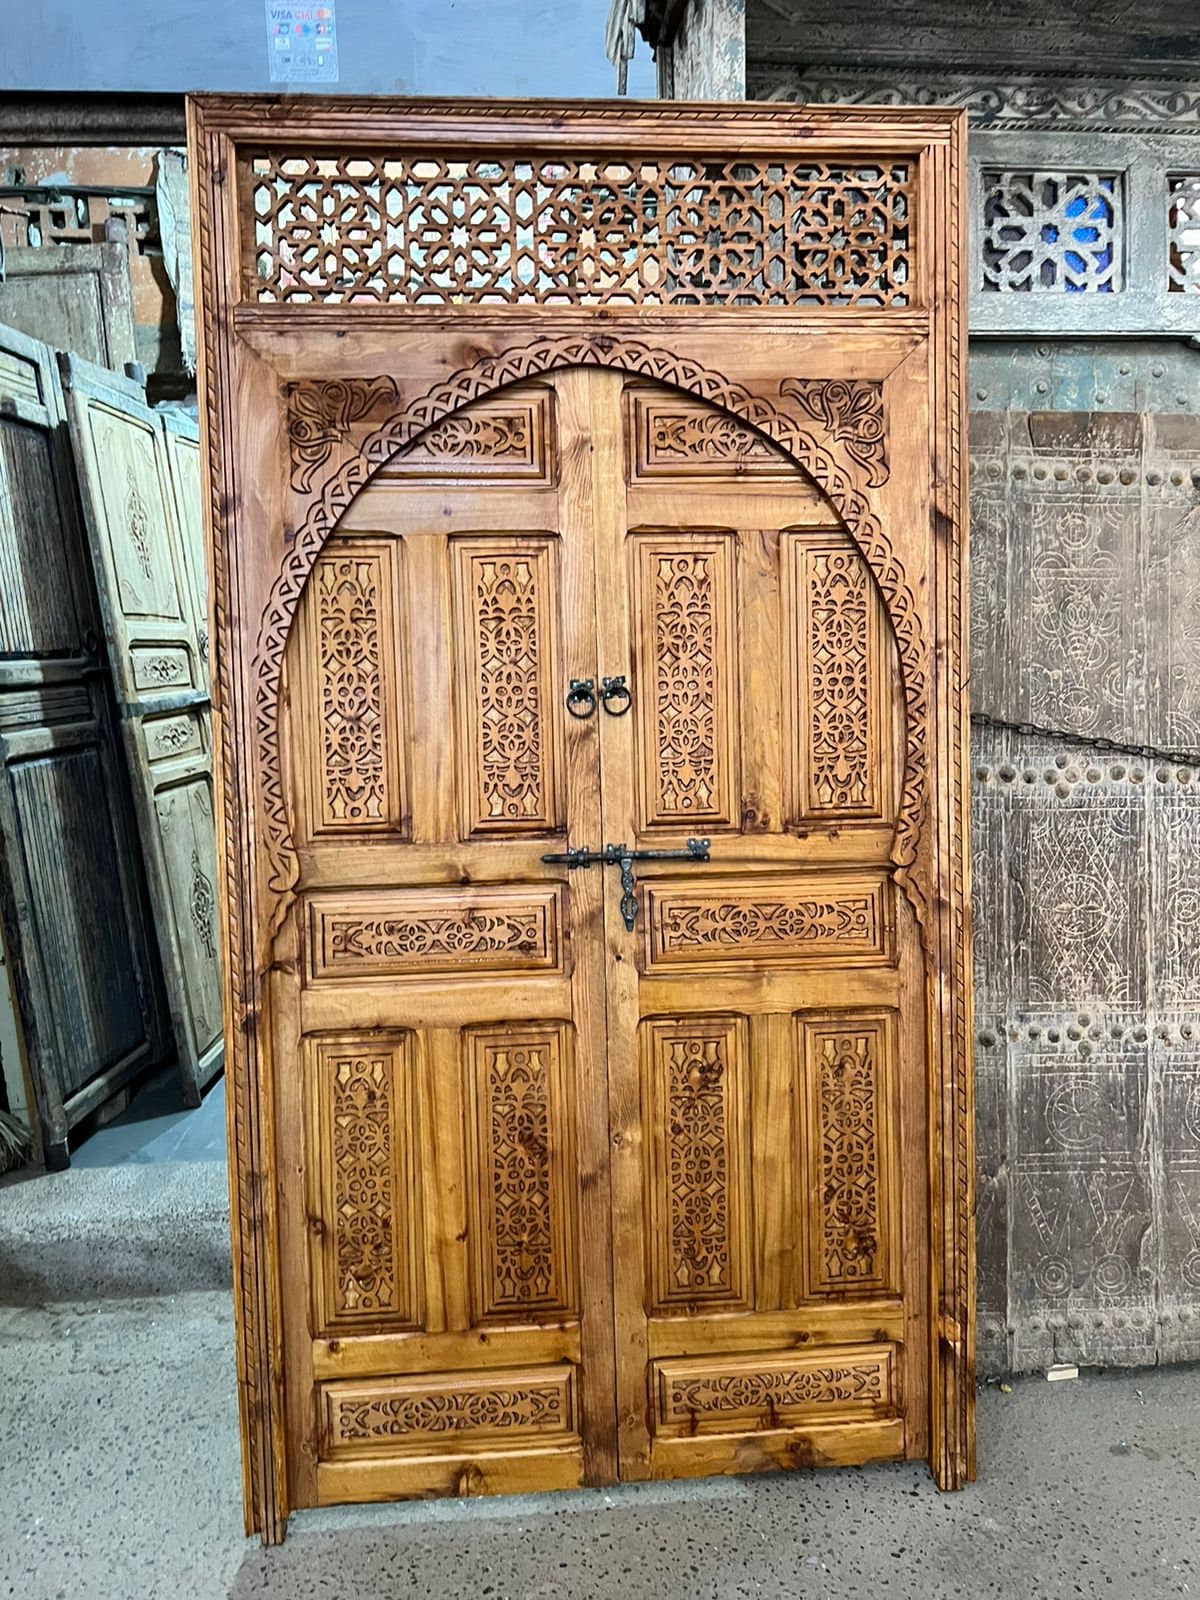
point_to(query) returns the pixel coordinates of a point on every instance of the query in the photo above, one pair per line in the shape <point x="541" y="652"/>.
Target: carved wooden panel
<point x="697" y="1107"/>
<point x="146" y="571"/>
<point x="839" y="735"/>
<point x="521" y="1100"/>
<point x="506" y="598"/>
<point x="362" y="1128"/>
<point x="670" y="436"/>
<point x="742" y="1392"/>
<point x="849" y="1116"/>
<point x="390" y="933"/>
<point x="415" y="1413"/>
<point x="356" y="773"/>
<point x="689" y="766"/>
<point x="823" y="921"/>
<point x="501" y="438"/>
<point x="554" y="229"/>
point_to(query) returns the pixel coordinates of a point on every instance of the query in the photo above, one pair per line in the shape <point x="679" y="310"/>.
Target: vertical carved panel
<point x="850" y="1112"/>
<point x="522" y="1166"/>
<point x="356" y="780"/>
<point x="696" y="1098"/>
<point x="505" y="605"/>
<point x="362" y="1133"/>
<point x="686" y="678"/>
<point x="837" y="743"/>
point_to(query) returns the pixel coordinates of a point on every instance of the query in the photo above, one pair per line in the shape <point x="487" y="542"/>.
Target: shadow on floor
<point x="157" y="1126"/>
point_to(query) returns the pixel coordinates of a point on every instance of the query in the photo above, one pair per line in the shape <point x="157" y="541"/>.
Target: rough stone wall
<point x="1085" y="569"/>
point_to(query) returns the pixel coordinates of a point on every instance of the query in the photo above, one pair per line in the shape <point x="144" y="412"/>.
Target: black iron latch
<point x="617" y="855"/>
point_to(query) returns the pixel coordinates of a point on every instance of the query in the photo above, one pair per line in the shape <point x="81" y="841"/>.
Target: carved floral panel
<point x="852" y="1383"/>
<point x="521" y="1144"/>
<point x="783" y="920"/>
<point x="686" y="680"/>
<point x="362" y="1121"/>
<point x="697" y="1113"/>
<point x="356" y="778"/>
<point x="847" y="1062"/>
<point x="505" y="604"/>
<point x="394" y="1414"/>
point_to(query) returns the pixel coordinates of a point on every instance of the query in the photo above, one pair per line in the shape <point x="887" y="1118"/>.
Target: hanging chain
<point x="1083" y="741"/>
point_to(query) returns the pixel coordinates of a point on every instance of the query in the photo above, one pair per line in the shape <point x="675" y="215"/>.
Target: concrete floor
<point x="156" y="1126"/>
<point x="119" y="1479"/>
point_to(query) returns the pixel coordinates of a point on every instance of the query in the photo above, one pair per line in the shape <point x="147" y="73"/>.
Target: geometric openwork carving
<point x="1183" y="222"/>
<point x="559" y="229"/>
<point x="1052" y="232"/>
<point x="847" y="1065"/>
<point x="697" y="1108"/>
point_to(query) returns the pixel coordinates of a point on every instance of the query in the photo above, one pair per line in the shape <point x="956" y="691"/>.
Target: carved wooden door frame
<point x="862" y="346"/>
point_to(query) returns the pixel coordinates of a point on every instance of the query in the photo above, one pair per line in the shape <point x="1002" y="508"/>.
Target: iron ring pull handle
<point x="582" y="693"/>
<point x="615" y="689"/>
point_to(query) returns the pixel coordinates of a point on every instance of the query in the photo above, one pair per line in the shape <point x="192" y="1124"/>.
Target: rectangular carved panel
<point x="505" y="606"/>
<point x="509" y="437"/>
<point x="696" y="1110"/>
<point x="357" y="780"/>
<point x="521" y="1150"/>
<point x="686" y="680"/>
<point x="472" y="1409"/>
<point x="849" y="1383"/>
<point x="838" y="743"/>
<point x="392" y="933"/>
<point x="822" y="921"/>
<point x="848" y="1063"/>
<point x="362" y="1136"/>
<point x="669" y="436"/>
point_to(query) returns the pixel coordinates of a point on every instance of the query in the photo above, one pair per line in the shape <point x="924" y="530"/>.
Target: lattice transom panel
<point x="1052" y="231"/>
<point x="561" y="230"/>
<point x="1183" y="221"/>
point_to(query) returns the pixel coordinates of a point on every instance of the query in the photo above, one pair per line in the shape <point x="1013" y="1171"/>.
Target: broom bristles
<point x="15" y="1142"/>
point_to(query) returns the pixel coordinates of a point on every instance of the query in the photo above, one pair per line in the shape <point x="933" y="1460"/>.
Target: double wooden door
<point x="603" y="1166"/>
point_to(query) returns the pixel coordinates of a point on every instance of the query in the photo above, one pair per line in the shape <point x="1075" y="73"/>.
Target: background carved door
<point x="567" y="509"/>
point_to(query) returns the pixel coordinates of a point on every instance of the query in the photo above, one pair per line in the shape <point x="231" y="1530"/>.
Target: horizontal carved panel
<point x="822" y="921"/>
<point x="850" y="1157"/>
<point x="385" y="933"/>
<point x="565" y="229"/>
<point x="160" y="666"/>
<point x="849" y="1383"/>
<point x="669" y="436"/>
<point x="466" y="1409"/>
<point x="179" y="734"/>
<point x="685" y="688"/>
<point x="508" y="437"/>
<point x="521" y="1151"/>
<point x="361" y="1127"/>
<point x="696" y="1099"/>
<point x="506" y="621"/>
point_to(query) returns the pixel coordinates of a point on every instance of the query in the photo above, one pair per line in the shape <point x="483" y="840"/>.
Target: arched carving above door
<point x="334" y="452"/>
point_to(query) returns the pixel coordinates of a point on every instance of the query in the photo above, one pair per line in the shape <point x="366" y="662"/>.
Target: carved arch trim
<point x="845" y="489"/>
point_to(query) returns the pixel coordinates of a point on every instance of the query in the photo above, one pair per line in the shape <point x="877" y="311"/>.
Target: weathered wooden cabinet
<point x="76" y="925"/>
<point x="586" y="502"/>
<point x="138" y="475"/>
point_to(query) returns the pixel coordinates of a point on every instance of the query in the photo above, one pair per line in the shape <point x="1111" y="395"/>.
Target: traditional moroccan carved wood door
<point x="586" y="514"/>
